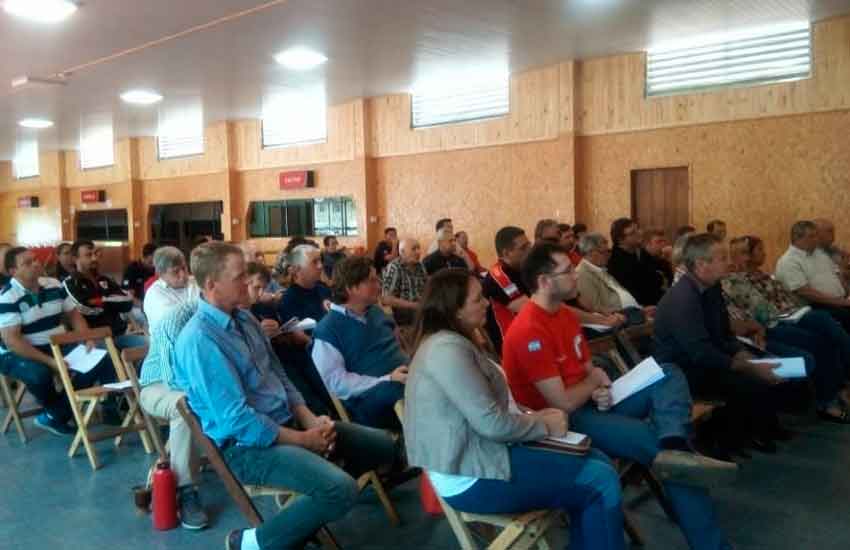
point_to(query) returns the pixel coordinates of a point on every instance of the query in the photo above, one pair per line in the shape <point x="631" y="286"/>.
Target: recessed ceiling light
<point x="300" y="58"/>
<point x="37" y="123"/>
<point x="141" y="97"/>
<point x="41" y="11"/>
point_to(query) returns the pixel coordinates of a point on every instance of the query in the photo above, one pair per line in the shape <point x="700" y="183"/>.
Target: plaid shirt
<point x="404" y="281"/>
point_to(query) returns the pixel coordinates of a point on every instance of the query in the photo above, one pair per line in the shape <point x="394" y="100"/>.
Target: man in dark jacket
<point x="632" y="266"/>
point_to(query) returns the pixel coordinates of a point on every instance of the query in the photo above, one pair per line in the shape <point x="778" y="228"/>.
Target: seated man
<point x="159" y="398"/>
<point x="267" y="436"/>
<point x="387" y="250"/>
<point x="547" y="230"/>
<point x="809" y="272"/>
<point x="825" y="230"/>
<point x="403" y="282"/>
<point x="173" y="286"/>
<point x="657" y="249"/>
<point x="307" y="296"/>
<point x="138" y="272"/>
<point x="331" y="254"/>
<point x="99" y="298"/>
<point x="32" y="309"/>
<point x="630" y="264"/>
<point x="692" y="329"/>
<point x="568" y="240"/>
<point x="597" y="289"/>
<point x="717" y="228"/>
<point x="356" y="349"/>
<point x="446" y="254"/>
<point x="446" y="225"/>
<point x="547" y="363"/>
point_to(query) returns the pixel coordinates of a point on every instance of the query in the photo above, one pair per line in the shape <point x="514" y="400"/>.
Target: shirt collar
<point x="17" y="284"/>
<point x="593" y="267"/>
<point x="216" y="315"/>
<point x="342" y="310"/>
<point x="800" y="252"/>
<point x="697" y="283"/>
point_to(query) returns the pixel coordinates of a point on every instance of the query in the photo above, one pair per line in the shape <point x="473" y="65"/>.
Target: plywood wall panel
<point x="31" y="226"/>
<point x="610" y="91"/>
<point x="758" y="175"/>
<point x="118" y="172"/>
<point x="481" y="189"/>
<point x="534" y="116"/>
<point x="214" y="159"/>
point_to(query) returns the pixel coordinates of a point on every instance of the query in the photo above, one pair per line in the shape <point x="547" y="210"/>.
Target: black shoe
<point x="192" y="514"/>
<point x="234" y="540"/>
<point x="764" y="445"/>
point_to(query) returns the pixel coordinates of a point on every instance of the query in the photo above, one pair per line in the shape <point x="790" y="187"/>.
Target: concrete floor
<point x="793" y="500"/>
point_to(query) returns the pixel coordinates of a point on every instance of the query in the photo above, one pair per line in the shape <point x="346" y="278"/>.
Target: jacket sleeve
<point x="458" y="375"/>
<point x="685" y="323"/>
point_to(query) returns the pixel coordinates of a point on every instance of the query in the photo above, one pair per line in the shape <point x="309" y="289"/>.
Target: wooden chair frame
<point x="517" y="531"/>
<point x="131" y="357"/>
<point x="83" y="402"/>
<point x="241" y="494"/>
<point x="370" y="477"/>
<point x="13" y="400"/>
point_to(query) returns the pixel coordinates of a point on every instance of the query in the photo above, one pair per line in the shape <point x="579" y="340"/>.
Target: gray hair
<point x="800" y="228"/>
<point x="591" y="242"/>
<point x="678" y="248"/>
<point x="300" y="255"/>
<point x="697" y="247"/>
<point x="167" y="257"/>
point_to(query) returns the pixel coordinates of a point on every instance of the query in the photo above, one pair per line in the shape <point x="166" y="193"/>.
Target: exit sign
<point x="296" y="180"/>
<point x="93" y="195"/>
<point x="27" y="202"/>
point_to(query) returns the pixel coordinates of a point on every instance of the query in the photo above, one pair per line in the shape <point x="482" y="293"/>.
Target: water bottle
<point x="164" y="498"/>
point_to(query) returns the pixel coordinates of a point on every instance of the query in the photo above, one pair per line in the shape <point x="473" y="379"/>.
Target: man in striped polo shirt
<point x="32" y="308"/>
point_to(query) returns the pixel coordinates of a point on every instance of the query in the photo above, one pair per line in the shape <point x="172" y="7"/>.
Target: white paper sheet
<point x="598" y="328"/>
<point x="119" y="385"/>
<point x="796" y="315"/>
<point x="572" y="438"/>
<point x="789" y="367"/>
<point x="645" y="374"/>
<point x="81" y="361"/>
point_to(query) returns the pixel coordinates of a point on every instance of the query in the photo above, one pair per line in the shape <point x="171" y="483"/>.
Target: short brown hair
<point x="256" y="268"/>
<point x="349" y="273"/>
<point x="444" y="295"/>
<point x="208" y="260"/>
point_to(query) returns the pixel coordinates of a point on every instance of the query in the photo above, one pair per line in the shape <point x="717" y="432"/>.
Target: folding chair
<point x="370" y="477"/>
<point x="131" y="357"/>
<point x="83" y="402"/>
<point x="12" y="400"/>
<point x="241" y="494"/>
<point x="517" y="531"/>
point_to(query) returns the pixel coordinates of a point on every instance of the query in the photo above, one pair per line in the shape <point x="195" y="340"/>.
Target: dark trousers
<point x="38" y="379"/>
<point x="374" y="408"/>
<point x="840" y="314"/>
<point x="822" y="359"/>
<point x="299" y="368"/>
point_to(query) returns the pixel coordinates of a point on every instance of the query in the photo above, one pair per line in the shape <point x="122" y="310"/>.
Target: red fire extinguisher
<point x="164" y="498"/>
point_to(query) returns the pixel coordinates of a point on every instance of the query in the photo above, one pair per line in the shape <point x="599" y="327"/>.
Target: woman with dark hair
<point x="461" y="425"/>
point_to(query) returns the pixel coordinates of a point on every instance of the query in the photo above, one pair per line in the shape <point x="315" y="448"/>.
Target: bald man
<point x="403" y="282"/>
<point x="825" y="231"/>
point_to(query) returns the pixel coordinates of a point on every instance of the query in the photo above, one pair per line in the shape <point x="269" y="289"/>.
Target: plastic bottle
<point x="164" y="498"/>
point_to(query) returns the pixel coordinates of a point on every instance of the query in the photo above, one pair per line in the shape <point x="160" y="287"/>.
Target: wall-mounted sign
<point x="296" y="180"/>
<point x="93" y="195"/>
<point x="27" y="202"/>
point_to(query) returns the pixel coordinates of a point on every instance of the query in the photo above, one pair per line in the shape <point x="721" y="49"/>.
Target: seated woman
<point x="460" y="426"/>
<point x="789" y="327"/>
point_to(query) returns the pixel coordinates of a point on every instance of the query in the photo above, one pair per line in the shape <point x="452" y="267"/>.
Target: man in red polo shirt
<point x="547" y="362"/>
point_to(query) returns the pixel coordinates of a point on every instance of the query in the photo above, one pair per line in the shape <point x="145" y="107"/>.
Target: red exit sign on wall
<point x="27" y="202"/>
<point x="296" y="180"/>
<point x="93" y="196"/>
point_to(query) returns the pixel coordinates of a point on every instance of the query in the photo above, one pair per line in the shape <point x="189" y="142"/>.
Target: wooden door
<point x="660" y="199"/>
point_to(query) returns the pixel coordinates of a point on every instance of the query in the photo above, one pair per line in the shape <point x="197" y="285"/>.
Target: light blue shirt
<point x="159" y="362"/>
<point x="232" y="377"/>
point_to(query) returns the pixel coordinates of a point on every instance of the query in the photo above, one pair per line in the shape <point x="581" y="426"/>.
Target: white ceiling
<point x="374" y="47"/>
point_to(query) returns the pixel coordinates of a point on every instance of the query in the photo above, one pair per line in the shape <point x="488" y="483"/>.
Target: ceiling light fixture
<point x="141" y="97"/>
<point x="300" y="58"/>
<point x="41" y="11"/>
<point x="36" y="123"/>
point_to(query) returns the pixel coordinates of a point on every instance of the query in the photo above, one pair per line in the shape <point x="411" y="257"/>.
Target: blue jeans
<point x="624" y="433"/>
<point x="374" y="408"/>
<point x="821" y="322"/>
<point x="327" y="492"/>
<point x="38" y="379"/>
<point x="822" y="359"/>
<point x="587" y="488"/>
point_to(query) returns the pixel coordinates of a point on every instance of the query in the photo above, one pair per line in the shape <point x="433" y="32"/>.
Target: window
<point x="446" y="104"/>
<point x="26" y="159"/>
<point x="319" y="216"/>
<point x="102" y="225"/>
<point x="181" y="129"/>
<point x="97" y="148"/>
<point x="757" y="58"/>
<point x="294" y="118"/>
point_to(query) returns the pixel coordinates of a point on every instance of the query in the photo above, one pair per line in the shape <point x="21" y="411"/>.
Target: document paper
<point x="789" y="367"/>
<point x="82" y="361"/>
<point x="645" y="374"/>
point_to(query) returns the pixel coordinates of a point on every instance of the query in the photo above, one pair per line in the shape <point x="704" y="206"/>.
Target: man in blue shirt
<point x="235" y="384"/>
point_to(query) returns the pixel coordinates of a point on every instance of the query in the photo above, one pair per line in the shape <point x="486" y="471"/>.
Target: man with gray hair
<point x="307" y="296"/>
<point x="445" y="255"/>
<point x="403" y="282"/>
<point x="808" y="271"/>
<point x="173" y="286"/>
<point x="598" y="291"/>
<point x="693" y="330"/>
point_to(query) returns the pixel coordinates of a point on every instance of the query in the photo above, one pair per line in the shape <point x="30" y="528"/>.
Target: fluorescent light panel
<point x="763" y="57"/>
<point x="141" y="97"/>
<point x="41" y="11"/>
<point x="300" y="58"/>
<point x="36" y="123"/>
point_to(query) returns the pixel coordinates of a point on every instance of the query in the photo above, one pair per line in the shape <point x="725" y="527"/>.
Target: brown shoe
<point x="694" y="469"/>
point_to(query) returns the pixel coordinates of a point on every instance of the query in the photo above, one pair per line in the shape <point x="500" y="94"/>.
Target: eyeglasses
<point x="557" y="274"/>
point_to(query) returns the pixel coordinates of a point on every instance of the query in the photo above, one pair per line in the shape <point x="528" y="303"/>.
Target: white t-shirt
<point x="161" y="298"/>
